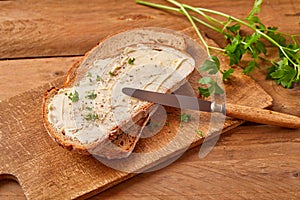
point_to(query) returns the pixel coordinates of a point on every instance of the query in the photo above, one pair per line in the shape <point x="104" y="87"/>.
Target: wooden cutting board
<point x="46" y="170"/>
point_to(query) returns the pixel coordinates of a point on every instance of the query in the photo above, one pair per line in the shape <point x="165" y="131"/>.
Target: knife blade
<point x="175" y="100"/>
<point x="253" y="114"/>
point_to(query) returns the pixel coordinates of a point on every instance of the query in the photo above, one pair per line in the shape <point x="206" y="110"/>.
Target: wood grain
<point x="263" y="116"/>
<point x="54" y="28"/>
<point x="263" y="159"/>
<point x="284" y="100"/>
<point x="17" y="76"/>
<point x="250" y="162"/>
<point x="24" y="155"/>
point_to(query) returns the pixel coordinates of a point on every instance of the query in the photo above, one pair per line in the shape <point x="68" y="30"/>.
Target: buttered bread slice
<point x="91" y="114"/>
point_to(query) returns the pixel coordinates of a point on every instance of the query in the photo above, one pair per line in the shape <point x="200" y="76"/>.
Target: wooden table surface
<point x="39" y="41"/>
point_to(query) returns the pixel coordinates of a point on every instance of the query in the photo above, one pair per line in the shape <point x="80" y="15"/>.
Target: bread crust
<point x="108" y="146"/>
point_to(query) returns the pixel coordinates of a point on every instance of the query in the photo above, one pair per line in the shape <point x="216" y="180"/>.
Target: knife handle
<point x="262" y="116"/>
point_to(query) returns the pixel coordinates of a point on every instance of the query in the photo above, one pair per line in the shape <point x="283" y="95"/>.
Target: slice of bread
<point x="90" y="114"/>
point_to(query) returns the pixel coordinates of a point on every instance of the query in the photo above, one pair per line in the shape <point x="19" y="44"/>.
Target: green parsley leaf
<point x="234" y="28"/>
<point x="200" y="133"/>
<point x="131" y="61"/>
<point x="217" y="89"/>
<point x="91" y="95"/>
<point x="74" y="97"/>
<point x="89" y="74"/>
<point x="232" y="46"/>
<point x="98" y="78"/>
<point x="255" y="10"/>
<point x="250" y="67"/>
<point x="227" y="73"/>
<point x="261" y="47"/>
<point x="185" y="117"/>
<point x="235" y="50"/>
<point x="210" y="66"/>
<point x="213" y="87"/>
<point x="253" y="20"/>
<point x="261" y="27"/>
<point x="89" y="108"/>
<point x="91" y="117"/>
<point x="270" y="70"/>
<point x="276" y="36"/>
<point x="153" y="126"/>
<point x="284" y="74"/>
<point x="251" y="39"/>
<point x="205" y="80"/>
<point x="216" y="61"/>
<point x="111" y="73"/>
<point x="204" y="91"/>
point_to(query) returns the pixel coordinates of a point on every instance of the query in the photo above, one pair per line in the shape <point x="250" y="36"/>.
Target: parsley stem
<point x="216" y="48"/>
<point x="293" y="37"/>
<point x="229" y="17"/>
<point x="207" y="25"/>
<point x="192" y="22"/>
<point x="212" y="20"/>
<point x="183" y="11"/>
<point x="276" y="44"/>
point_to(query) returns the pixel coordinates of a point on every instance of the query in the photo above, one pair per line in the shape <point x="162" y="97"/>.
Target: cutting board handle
<point x="262" y="116"/>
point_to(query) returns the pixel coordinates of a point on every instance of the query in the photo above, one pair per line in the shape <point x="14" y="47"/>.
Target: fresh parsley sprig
<point x="284" y="70"/>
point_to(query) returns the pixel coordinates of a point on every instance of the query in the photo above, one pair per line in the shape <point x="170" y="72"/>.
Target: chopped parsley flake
<point x="91" y="95"/>
<point x="91" y="117"/>
<point x="89" y="74"/>
<point x="199" y="132"/>
<point x="153" y="126"/>
<point x="73" y="97"/>
<point x="98" y="78"/>
<point x="111" y="73"/>
<point x="131" y="61"/>
<point x="89" y="108"/>
<point x="185" y="117"/>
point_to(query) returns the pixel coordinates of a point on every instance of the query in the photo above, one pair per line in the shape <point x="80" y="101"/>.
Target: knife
<point x="258" y="115"/>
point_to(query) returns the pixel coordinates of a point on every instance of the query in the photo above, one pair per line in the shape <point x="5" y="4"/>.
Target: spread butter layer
<point x="95" y="104"/>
